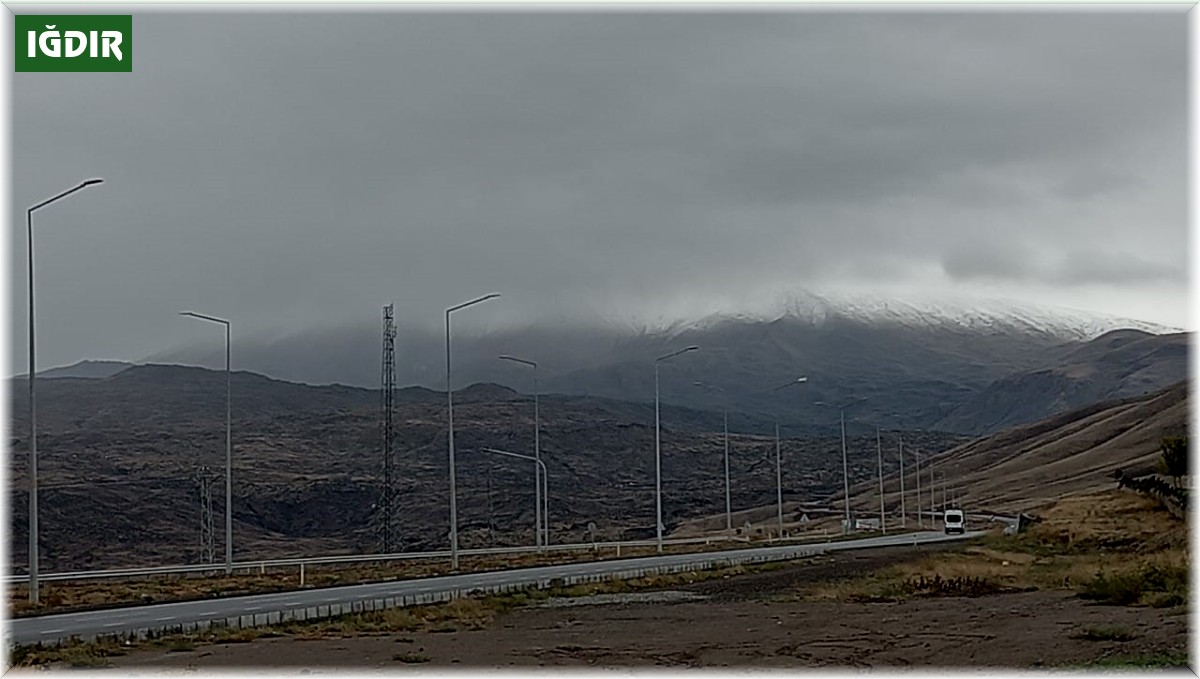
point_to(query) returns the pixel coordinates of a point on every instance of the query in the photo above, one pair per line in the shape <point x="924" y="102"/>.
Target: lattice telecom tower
<point x="204" y="479"/>
<point x="387" y="531"/>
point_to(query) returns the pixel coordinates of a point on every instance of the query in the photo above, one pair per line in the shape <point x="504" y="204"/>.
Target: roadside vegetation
<point x="467" y="613"/>
<point x="1113" y="547"/>
<point x="1140" y="662"/>
<point x="78" y="596"/>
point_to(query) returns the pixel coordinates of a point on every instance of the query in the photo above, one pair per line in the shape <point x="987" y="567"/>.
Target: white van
<point x="954" y="521"/>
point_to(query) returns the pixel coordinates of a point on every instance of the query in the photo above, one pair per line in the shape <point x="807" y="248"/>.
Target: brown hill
<point x="1119" y="364"/>
<point x="1067" y="454"/>
<point x="118" y="457"/>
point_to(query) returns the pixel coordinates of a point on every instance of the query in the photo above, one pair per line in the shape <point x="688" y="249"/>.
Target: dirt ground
<point x="751" y="620"/>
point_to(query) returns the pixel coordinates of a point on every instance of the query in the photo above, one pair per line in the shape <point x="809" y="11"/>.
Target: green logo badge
<point x="74" y="42"/>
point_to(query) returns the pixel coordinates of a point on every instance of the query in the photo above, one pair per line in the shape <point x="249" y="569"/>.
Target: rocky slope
<point x="118" y="458"/>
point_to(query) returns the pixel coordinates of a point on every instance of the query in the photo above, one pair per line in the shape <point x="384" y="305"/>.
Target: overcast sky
<point x="296" y="171"/>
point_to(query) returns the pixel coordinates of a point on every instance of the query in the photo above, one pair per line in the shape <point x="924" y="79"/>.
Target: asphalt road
<point x="51" y="628"/>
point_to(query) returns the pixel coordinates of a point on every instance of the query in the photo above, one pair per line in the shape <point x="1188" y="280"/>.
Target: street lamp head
<point x="94" y="180"/>
<point x="204" y="317"/>
<point x="798" y="380"/>
<point x="676" y="353"/>
<point x="473" y="302"/>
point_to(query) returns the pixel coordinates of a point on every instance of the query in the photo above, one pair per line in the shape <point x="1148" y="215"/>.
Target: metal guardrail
<point x="262" y="565"/>
<point x="358" y="598"/>
<point x="352" y="558"/>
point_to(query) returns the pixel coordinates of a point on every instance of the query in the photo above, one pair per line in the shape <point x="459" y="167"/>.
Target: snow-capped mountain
<point x="918" y="359"/>
<point x="942" y="310"/>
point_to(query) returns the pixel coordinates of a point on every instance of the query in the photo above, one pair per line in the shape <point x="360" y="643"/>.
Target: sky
<point x="296" y="171"/>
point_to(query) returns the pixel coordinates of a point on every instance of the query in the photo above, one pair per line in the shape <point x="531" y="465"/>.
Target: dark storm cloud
<point x="299" y="170"/>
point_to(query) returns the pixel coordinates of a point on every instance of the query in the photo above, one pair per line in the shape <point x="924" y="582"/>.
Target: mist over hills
<point x="122" y="449"/>
<point x="920" y="366"/>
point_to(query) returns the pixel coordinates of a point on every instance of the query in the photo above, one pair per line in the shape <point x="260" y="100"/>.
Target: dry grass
<point x="1083" y="543"/>
<point x="464" y="613"/>
<point x="64" y="597"/>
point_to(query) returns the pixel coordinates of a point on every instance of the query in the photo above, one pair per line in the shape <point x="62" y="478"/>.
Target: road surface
<point x="261" y="609"/>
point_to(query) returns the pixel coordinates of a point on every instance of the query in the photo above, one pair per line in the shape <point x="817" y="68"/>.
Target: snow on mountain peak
<point x="945" y="310"/>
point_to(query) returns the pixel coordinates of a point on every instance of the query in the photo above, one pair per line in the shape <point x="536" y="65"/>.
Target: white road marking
<point x="113" y="624"/>
<point x="164" y="619"/>
<point x="209" y="613"/>
<point x="52" y="631"/>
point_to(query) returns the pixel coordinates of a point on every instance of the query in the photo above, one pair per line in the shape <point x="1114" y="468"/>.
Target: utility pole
<point x="204" y="481"/>
<point x="387" y="503"/>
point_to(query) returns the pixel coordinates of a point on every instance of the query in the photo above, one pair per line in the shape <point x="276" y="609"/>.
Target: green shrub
<point x="1106" y="634"/>
<point x="1121" y="589"/>
<point x="1129" y="587"/>
<point x="1167" y="600"/>
<point x="1179" y="660"/>
<point x="1165" y="578"/>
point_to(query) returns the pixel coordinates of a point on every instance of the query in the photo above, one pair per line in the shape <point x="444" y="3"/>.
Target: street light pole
<point x="845" y="473"/>
<point x="932" y="495"/>
<point x="450" y="428"/>
<point x="779" y="460"/>
<point x="537" y="449"/>
<point x="725" y="418"/>
<point x="33" y="485"/>
<point x="658" y="447"/>
<point x="882" y="515"/>
<point x="778" y="481"/>
<point x="539" y="466"/>
<point x="845" y="459"/>
<point x="920" y="520"/>
<point x="728" y="503"/>
<point x="228" y="443"/>
<point x="903" y="513"/>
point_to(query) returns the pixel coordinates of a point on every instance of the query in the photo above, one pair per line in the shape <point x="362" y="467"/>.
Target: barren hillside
<point x="1067" y="454"/>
